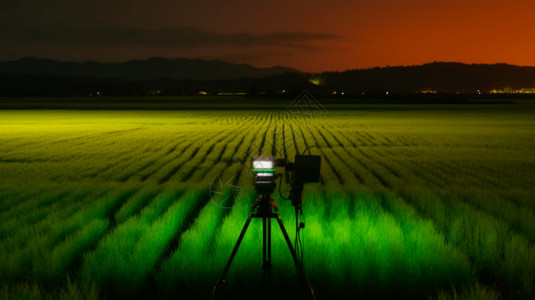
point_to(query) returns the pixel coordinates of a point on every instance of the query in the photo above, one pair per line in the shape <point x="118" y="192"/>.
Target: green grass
<point x="421" y="201"/>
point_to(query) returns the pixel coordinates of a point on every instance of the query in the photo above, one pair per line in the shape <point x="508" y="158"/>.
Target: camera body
<point x="305" y="168"/>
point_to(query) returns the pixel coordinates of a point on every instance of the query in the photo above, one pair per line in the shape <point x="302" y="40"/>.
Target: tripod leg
<point x="234" y="251"/>
<point x="269" y="241"/>
<point x="268" y="262"/>
<point x="296" y="260"/>
<point x="264" y="244"/>
<point x="264" y="249"/>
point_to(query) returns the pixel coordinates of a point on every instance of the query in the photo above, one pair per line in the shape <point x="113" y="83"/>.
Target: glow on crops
<point x="413" y="202"/>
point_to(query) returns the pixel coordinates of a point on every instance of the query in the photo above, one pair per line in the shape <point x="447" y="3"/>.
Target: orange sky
<point x="339" y="34"/>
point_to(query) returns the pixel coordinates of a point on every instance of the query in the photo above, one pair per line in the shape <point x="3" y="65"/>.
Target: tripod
<point x="264" y="210"/>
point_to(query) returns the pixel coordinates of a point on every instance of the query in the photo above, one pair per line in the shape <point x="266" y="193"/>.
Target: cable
<point x="280" y="189"/>
<point x="302" y="240"/>
<point x="299" y="244"/>
<point x="308" y="148"/>
<point x="296" y="242"/>
<point x="299" y="239"/>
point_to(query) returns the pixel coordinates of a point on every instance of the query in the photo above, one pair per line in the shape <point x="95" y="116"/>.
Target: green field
<point x="421" y="201"/>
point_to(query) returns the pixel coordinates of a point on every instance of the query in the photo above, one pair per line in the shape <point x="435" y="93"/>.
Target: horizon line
<point x="258" y="67"/>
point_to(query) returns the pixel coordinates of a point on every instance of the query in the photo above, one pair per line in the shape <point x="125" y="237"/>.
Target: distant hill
<point x="141" y="70"/>
<point x="52" y="86"/>
<point x="445" y="77"/>
<point x="158" y="76"/>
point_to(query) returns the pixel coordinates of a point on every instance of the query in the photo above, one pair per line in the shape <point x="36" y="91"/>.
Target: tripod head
<point x="264" y="205"/>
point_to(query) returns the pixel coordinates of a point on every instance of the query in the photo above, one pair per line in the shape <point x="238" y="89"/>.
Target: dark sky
<point x="309" y="35"/>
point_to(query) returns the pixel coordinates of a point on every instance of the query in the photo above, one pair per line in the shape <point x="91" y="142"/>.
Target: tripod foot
<point x="218" y="287"/>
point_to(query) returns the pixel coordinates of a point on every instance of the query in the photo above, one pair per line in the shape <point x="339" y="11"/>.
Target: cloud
<point x="176" y="38"/>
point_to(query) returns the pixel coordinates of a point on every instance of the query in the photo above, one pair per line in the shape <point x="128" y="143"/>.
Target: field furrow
<point x="411" y="204"/>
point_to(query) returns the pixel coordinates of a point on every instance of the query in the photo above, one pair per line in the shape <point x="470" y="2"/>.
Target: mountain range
<point x="448" y="77"/>
<point x="43" y="77"/>
<point x="141" y="70"/>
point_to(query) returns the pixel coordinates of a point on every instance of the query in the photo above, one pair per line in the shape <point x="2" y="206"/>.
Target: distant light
<point x="511" y="91"/>
<point x="315" y="81"/>
<point x="334" y="93"/>
<point x="387" y="93"/>
<point x="203" y="93"/>
<point x="427" y="92"/>
<point x="231" y="94"/>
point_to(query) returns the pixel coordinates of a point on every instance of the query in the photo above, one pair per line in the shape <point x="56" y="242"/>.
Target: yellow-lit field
<point x="414" y="202"/>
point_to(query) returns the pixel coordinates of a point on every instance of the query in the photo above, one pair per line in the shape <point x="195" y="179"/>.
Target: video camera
<point x="305" y="168"/>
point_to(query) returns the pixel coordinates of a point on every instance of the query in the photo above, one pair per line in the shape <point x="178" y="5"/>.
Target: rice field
<point x="415" y="202"/>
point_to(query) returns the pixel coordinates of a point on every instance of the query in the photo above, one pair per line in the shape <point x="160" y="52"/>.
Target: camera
<point x="305" y="168"/>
